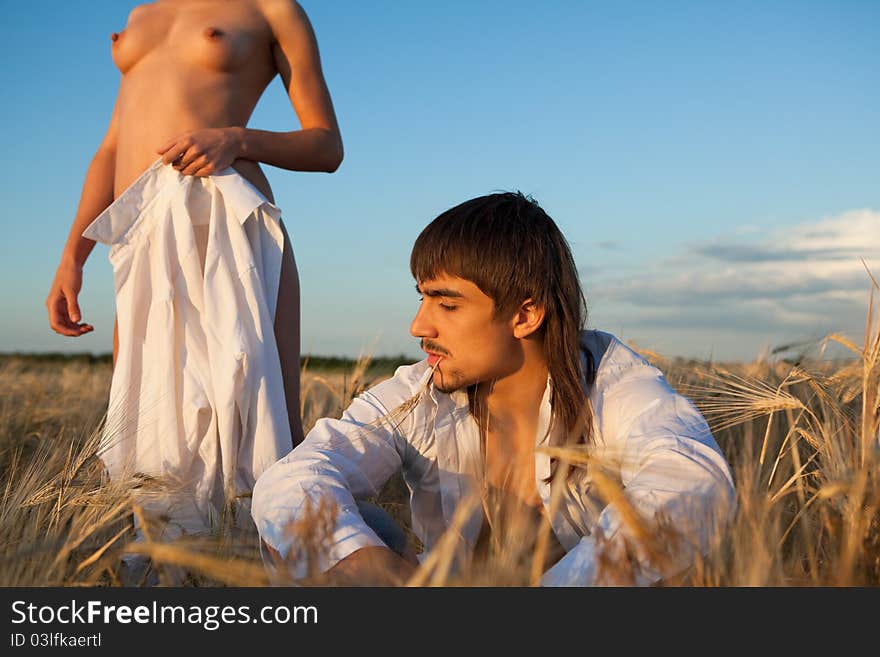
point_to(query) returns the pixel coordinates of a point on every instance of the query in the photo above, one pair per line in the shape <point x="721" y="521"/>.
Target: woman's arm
<point x="317" y="146"/>
<point x="97" y="193"/>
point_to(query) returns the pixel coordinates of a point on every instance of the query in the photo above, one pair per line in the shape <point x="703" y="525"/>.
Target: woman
<point x="192" y="72"/>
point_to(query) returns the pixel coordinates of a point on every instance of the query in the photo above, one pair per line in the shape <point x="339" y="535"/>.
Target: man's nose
<point x="421" y="326"/>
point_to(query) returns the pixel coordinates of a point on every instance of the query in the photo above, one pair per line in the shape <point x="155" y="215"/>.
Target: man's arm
<point x="339" y="462"/>
<point x="367" y="566"/>
<point x="371" y="566"/>
<point x="670" y="467"/>
<point x="97" y="193"/>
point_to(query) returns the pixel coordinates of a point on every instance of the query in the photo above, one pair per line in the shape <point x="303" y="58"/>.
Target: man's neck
<point x="510" y="427"/>
<point x="515" y="400"/>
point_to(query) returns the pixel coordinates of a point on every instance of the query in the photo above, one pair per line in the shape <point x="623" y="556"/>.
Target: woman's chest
<point x="221" y="39"/>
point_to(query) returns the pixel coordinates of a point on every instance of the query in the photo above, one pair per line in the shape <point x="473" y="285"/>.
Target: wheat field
<point x="800" y="434"/>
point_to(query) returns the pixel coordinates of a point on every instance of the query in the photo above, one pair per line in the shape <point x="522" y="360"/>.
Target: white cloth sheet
<point x="197" y="396"/>
<point x="653" y="441"/>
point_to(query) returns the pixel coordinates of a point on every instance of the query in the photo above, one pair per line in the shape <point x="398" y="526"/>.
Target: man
<point x="509" y="378"/>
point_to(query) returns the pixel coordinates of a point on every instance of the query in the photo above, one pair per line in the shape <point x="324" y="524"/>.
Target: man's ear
<point x="528" y="319"/>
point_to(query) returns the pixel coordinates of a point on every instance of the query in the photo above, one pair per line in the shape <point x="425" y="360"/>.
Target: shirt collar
<point x="457" y="401"/>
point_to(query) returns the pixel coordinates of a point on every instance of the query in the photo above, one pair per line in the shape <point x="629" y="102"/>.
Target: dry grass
<point x="801" y="437"/>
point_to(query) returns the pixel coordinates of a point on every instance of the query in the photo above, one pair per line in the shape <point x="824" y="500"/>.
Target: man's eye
<point x="447" y="307"/>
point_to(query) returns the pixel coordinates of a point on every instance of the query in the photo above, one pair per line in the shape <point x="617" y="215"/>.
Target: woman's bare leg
<point x="287" y="335"/>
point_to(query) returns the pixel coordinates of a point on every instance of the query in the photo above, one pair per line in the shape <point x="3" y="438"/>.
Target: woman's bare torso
<point x="186" y="65"/>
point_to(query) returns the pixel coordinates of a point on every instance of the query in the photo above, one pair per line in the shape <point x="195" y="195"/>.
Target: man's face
<point x="458" y="328"/>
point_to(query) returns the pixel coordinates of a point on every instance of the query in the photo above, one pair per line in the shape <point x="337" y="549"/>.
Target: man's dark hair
<point x="512" y="250"/>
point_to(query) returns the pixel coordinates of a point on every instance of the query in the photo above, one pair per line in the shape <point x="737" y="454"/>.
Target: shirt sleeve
<point x="339" y="462"/>
<point x="669" y="466"/>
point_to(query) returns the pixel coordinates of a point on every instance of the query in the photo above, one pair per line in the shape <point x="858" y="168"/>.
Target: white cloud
<point x="776" y="284"/>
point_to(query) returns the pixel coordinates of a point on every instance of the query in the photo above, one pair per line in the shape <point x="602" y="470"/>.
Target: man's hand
<point x="203" y="152"/>
<point x="371" y="566"/>
<point x="64" y="314"/>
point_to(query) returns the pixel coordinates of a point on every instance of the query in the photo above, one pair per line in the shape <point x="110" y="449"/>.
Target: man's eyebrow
<point x="439" y="292"/>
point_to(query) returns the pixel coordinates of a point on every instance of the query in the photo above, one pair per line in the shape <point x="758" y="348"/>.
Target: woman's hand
<point x="64" y="314"/>
<point x="203" y="152"/>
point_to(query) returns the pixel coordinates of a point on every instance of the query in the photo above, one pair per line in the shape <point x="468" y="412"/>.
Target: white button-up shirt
<point x="655" y="441"/>
<point x="197" y="396"/>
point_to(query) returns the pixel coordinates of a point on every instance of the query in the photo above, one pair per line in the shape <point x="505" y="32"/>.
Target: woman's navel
<point x="213" y="32"/>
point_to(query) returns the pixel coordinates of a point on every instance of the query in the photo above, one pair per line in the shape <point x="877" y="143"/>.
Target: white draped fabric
<point x="197" y="396"/>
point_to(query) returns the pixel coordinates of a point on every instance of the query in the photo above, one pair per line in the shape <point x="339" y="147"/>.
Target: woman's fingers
<point x="176" y="153"/>
<point x="186" y="159"/>
<point x="61" y="317"/>
<point x="72" y="306"/>
<point x="207" y="170"/>
<point x="74" y="313"/>
<point x="201" y="152"/>
<point x="166" y="146"/>
<point x="194" y="165"/>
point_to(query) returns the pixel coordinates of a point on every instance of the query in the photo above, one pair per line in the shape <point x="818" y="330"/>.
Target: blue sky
<point x="714" y="165"/>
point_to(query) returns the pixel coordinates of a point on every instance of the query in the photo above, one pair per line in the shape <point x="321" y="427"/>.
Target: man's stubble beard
<point x="449" y="383"/>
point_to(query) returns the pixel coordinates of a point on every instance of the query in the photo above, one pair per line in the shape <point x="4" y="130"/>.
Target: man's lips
<point x="434" y="357"/>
